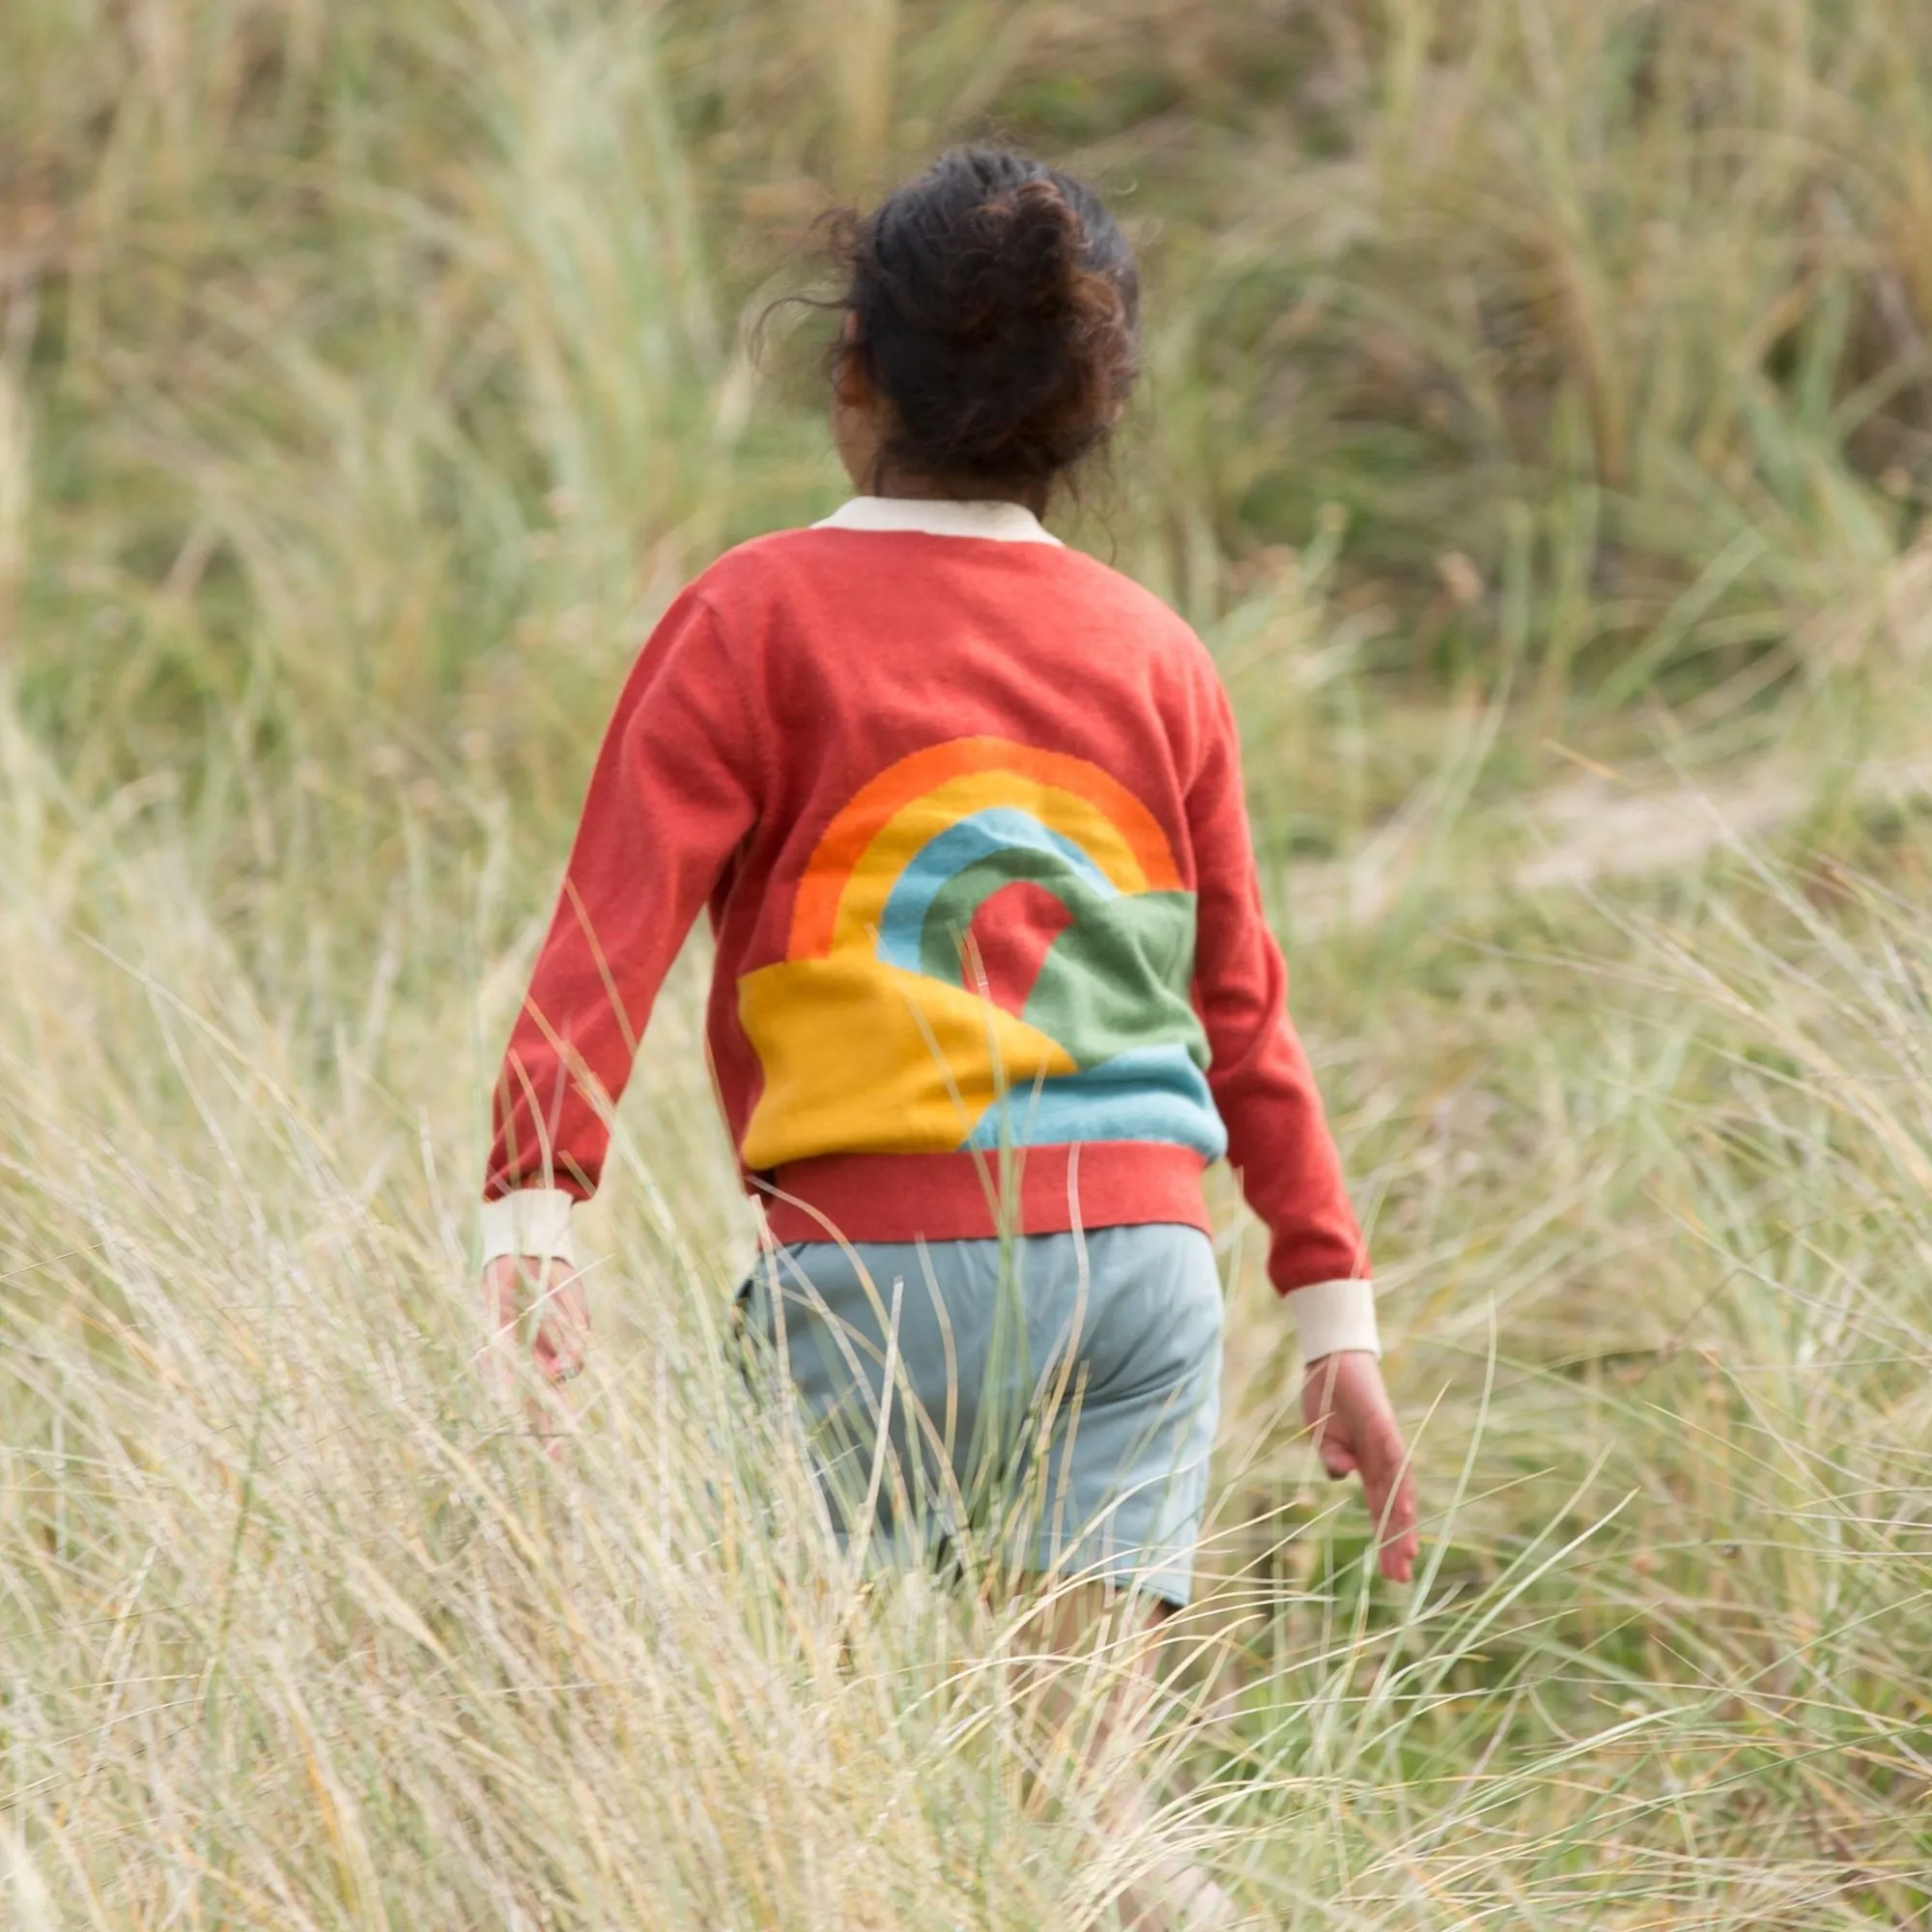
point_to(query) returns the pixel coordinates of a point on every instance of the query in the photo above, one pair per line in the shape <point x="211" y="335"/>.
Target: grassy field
<point x="1539" y="426"/>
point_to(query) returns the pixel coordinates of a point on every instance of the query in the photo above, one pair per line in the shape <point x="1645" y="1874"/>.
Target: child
<point x="993" y="985"/>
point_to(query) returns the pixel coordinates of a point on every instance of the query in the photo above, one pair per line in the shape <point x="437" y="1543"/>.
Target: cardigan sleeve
<point x="675" y="790"/>
<point x="1278" y="1139"/>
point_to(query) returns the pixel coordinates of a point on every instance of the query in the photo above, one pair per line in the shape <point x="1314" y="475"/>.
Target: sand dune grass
<point x="369" y="377"/>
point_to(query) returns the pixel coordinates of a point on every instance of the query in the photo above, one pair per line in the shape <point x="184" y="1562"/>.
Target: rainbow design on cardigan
<point x="991" y="947"/>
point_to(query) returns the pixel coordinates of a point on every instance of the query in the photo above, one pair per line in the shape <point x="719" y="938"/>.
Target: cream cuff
<point x="1330" y="1316"/>
<point x="532" y="1221"/>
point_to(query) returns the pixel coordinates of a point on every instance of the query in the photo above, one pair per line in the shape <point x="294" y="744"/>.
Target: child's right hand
<point x="1347" y="1408"/>
<point x="562" y="1339"/>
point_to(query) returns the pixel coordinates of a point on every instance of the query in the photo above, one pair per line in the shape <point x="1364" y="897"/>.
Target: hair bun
<point x="1050" y="236"/>
<point x="1015" y="256"/>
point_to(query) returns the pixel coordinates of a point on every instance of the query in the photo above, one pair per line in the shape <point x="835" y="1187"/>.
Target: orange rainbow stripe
<point x="852" y="834"/>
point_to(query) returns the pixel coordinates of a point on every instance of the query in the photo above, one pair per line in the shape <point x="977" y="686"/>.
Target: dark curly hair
<point x="995" y="307"/>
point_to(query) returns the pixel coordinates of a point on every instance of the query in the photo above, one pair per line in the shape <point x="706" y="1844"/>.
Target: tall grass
<point x="369" y="377"/>
<point x="391" y="330"/>
<point x="297" y="1632"/>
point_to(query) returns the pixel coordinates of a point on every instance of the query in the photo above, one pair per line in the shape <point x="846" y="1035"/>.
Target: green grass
<point x="1537" y="426"/>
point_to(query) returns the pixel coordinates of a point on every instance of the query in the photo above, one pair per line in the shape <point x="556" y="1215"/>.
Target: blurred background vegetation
<point x="1538" y="424"/>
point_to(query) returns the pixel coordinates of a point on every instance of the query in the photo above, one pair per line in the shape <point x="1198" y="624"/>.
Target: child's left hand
<point x="562" y="1338"/>
<point x="1356" y="1434"/>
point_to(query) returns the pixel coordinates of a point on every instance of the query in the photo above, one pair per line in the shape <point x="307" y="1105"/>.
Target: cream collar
<point x="941" y="517"/>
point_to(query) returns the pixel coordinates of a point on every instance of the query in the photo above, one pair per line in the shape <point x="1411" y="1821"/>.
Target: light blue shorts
<point x="1041" y="1404"/>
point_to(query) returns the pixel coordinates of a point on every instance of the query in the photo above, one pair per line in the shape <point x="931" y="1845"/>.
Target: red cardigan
<point x="965" y="808"/>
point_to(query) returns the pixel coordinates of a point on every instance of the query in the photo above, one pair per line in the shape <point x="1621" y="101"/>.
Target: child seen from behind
<point x="993" y="985"/>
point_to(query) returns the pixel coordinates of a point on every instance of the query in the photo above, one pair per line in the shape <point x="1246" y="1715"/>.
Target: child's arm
<point x="1278" y="1139"/>
<point x="675" y="790"/>
<point x="1279" y="1142"/>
